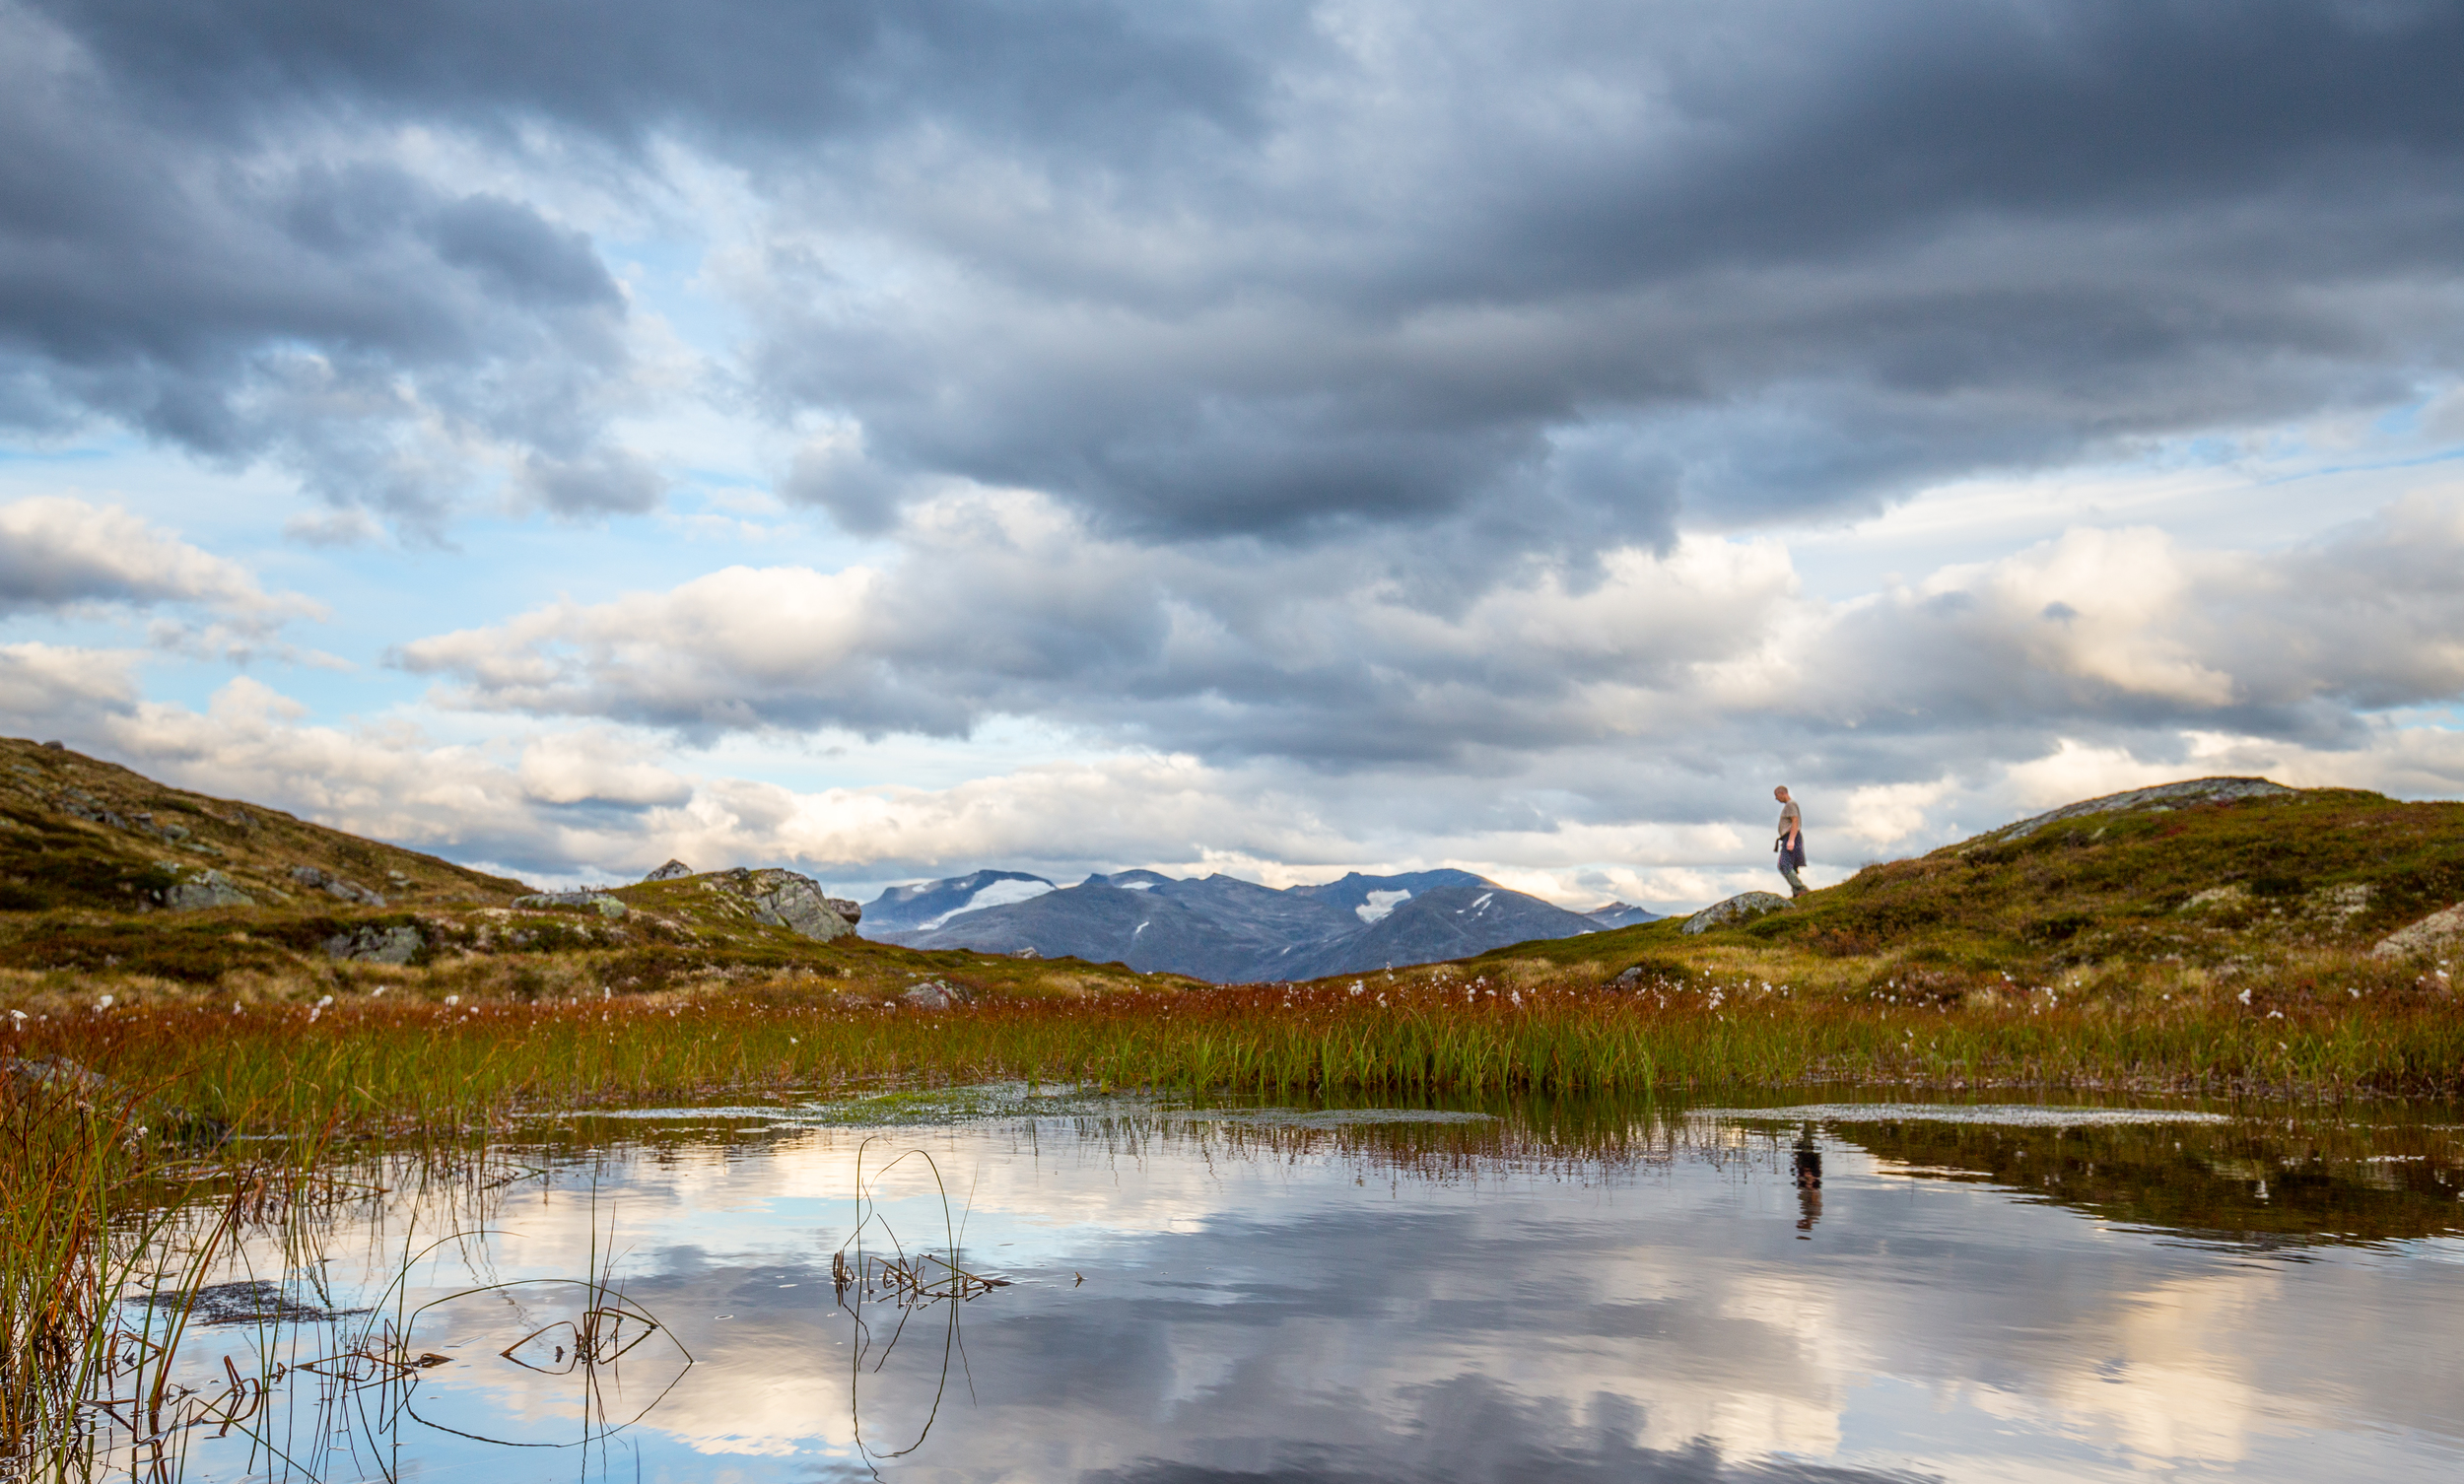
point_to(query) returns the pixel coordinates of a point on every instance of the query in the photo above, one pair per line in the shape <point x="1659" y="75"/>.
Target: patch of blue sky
<point x="2392" y="464"/>
<point x="66" y="455"/>
<point x="2197" y="495"/>
<point x="669" y="277"/>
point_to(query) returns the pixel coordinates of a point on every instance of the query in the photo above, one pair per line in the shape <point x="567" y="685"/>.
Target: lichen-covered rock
<point x="1744" y="906"/>
<point x="2231" y="894"/>
<point x="331" y="884"/>
<point x="2162" y="797"/>
<point x="2434" y="931"/>
<point x="377" y="945"/>
<point x="674" y="871"/>
<point x="204" y="890"/>
<point x="936" y="994"/>
<point x="598" y="901"/>
<point x="79" y="804"/>
<point x="786" y="898"/>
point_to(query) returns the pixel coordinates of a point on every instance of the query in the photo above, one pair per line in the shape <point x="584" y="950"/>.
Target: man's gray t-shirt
<point x="1789" y="815"/>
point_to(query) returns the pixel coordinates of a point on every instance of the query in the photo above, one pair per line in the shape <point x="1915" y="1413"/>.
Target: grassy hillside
<point x="113" y="883"/>
<point x="80" y="833"/>
<point x="2285" y="891"/>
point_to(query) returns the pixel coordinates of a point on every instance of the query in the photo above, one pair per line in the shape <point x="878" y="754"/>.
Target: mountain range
<point x="102" y="869"/>
<point x="1225" y="929"/>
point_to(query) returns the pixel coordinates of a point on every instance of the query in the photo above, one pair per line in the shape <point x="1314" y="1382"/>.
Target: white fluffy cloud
<point x="48" y="684"/>
<point x="1003" y="605"/>
<point x="586" y="766"/>
<point x="67" y="557"/>
<point x="2123" y="625"/>
<point x="56" y="551"/>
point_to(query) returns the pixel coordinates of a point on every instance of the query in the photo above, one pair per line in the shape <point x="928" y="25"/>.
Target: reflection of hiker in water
<point x="1791" y="845"/>
<point x="1807" y="1161"/>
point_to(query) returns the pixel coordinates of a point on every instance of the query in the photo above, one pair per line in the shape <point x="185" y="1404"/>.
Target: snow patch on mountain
<point x="1380" y="904"/>
<point x="999" y="893"/>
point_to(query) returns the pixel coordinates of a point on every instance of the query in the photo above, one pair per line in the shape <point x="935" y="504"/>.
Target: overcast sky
<point x="1279" y="437"/>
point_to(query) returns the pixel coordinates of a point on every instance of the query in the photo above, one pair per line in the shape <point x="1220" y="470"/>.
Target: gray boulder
<point x="598" y="901"/>
<point x="936" y="994"/>
<point x="203" y="890"/>
<point x="1744" y="906"/>
<point x="674" y="871"/>
<point x="785" y="899"/>
<point x="2435" y="931"/>
<point x="377" y="945"/>
<point x="341" y="887"/>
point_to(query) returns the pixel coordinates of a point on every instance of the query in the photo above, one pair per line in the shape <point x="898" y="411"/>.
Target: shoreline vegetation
<point x="2339" y="1026"/>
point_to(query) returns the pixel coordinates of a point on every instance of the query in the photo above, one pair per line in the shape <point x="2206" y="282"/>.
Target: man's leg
<point x="1788" y="873"/>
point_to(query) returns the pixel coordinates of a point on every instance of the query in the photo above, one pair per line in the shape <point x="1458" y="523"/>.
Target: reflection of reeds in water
<point x="1592" y="1140"/>
<point x="92" y="1206"/>
<point x="118" y="1250"/>
<point x="863" y="1275"/>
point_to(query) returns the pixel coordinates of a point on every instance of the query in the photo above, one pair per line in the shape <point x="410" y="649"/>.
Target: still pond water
<point x="1571" y="1292"/>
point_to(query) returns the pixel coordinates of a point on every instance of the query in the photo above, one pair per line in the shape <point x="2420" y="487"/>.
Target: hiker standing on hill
<point x="1791" y="845"/>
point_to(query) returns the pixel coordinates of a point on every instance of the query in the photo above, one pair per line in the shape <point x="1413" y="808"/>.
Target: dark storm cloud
<point x="1525" y="282"/>
<point x="360" y="323"/>
<point x="733" y="73"/>
<point x="1609" y="262"/>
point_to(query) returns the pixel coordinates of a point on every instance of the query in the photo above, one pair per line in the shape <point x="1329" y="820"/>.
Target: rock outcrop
<point x="377" y="945"/>
<point x="2162" y="797"/>
<point x="1744" y="906"/>
<point x="674" y="871"/>
<point x="331" y="884"/>
<point x="598" y="901"/>
<point x="2433" y="932"/>
<point x="203" y="890"/>
<point x="786" y="898"/>
<point x="936" y="994"/>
